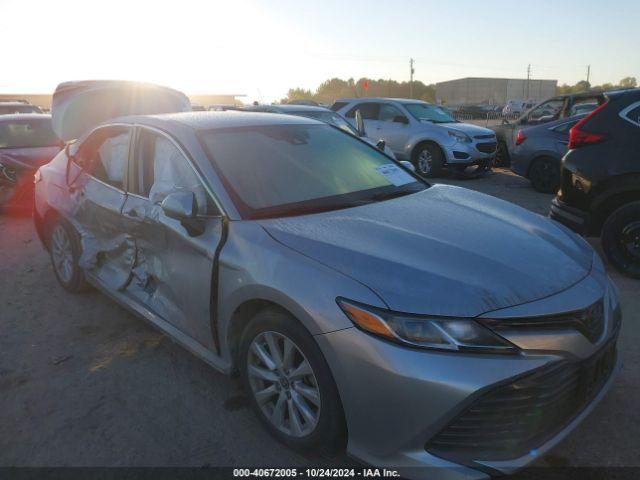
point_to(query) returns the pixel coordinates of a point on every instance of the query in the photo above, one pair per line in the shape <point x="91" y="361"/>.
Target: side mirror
<point x="401" y="119"/>
<point x="408" y="165"/>
<point x="180" y="205"/>
<point x="381" y="145"/>
<point x="360" y="124"/>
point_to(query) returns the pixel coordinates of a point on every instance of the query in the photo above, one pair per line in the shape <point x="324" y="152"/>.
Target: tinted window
<point x="369" y="111"/>
<point x="634" y="115"/>
<point x="27" y="133"/>
<point x="550" y="109"/>
<point x="337" y="106"/>
<point x="106" y="152"/>
<point x="162" y="169"/>
<point x="292" y="169"/>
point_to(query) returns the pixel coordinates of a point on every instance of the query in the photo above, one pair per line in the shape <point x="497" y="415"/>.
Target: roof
<point x="377" y="99"/>
<point x="222" y="119"/>
<point x="300" y="108"/>
<point x="25" y="116"/>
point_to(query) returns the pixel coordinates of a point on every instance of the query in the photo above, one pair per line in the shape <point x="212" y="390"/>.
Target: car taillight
<point x="578" y="137"/>
<point x="520" y="137"/>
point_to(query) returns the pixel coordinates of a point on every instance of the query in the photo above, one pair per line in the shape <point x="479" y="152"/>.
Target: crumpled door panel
<point x="172" y="271"/>
<point x="108" y="252"/>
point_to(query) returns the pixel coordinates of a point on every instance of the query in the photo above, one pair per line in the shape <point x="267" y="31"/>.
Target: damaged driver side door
<point x="173" y="273"/>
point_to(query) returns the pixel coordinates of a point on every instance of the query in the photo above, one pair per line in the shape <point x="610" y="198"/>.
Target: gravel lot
<point x="85" y="383"/>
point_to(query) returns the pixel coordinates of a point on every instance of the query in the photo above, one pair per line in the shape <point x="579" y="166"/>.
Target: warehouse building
<point x="493" y="91"/>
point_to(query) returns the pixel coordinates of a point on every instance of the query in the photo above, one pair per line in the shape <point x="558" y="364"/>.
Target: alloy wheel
<point x="425" y="162"/>
<point x="630" y="239"/>
<point x="62" y="253"/>
<point x="283" y="384"/>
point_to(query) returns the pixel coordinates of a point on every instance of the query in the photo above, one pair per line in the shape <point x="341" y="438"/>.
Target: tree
<point x="629" y="82"/>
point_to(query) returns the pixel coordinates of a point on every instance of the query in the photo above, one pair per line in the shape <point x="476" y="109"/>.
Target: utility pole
<point x="588" y="73"/>
<point x="412" y="71"/>
<point x="528" y="78"/>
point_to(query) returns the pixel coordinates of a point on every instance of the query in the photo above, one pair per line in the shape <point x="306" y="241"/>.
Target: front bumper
<point x="473" y="153"/>
<point x="396" y="400"/>
<point x="574" y="218"/>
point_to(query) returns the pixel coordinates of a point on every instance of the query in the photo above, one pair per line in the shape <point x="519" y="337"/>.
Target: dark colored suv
<point x="600" y="179"/>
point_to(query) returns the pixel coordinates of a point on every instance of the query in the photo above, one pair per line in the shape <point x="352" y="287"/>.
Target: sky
<point x="262" y="48"/>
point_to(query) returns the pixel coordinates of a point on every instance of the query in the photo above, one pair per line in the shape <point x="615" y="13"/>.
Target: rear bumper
<point x="574" y="218"/>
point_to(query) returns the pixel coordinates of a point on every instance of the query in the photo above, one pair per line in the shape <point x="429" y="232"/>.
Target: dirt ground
<point x="85" y="383"/>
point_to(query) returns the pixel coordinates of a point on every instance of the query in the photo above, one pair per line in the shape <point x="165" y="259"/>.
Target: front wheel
<point x="289" y="383"/>
<point x="502" y="155"/>
<point x="621" y="239"/>
<point x="428" y="160"/>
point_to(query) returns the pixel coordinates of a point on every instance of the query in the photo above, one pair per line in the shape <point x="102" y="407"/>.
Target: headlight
<point x="443" y="333"/>
<point x="461" y="137"/>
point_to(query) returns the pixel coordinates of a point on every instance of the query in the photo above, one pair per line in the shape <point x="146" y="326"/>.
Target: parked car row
<point x="211" y="226"/>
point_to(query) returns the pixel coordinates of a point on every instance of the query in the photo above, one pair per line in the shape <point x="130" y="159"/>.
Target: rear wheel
<point x="289" y="383"/>
<point x="428" y="160"/>
<point x="621" y="239"/>
<point x="545" y="175"/>
<point x="64" y="250"/>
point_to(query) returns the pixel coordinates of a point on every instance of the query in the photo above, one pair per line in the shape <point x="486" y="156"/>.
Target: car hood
<point x="444" y="251"/>
<point x="78" y="107"/>
<point x="467" y="128"/>
<point x="28" y="158"/>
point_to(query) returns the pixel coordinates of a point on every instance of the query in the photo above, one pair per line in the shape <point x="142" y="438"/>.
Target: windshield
<point x="330" y="118"/>
<point x="281" y="170"/>
<point x="426" y="112"/>
<point x="27" y="133"/>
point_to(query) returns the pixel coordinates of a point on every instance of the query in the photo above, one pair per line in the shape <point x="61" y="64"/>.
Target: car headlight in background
<point x="461" y="137"/>
<point x="442" y="333"/>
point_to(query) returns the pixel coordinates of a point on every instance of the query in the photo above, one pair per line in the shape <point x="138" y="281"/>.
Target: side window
<point x="388" y="113"/>
<point x="550" y="110"/>
<point x="633" y="115"/>
<point x="369" y="111"/>
<point x="105" y="154"/>
<point x="163" y="169"/>
<point x="338" y="105"/>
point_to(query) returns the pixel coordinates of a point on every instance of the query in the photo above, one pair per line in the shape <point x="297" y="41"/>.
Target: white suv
<point x="424" y="134"/>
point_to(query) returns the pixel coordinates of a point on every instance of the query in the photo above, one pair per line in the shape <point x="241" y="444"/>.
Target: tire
<point x="428" y="160"/>
<point x="502" y="155"/>
<point x="544" y="175"/>
<point x="327" y="431"/>
<point x="63" y="240"/>
<point x="621" y="239"/>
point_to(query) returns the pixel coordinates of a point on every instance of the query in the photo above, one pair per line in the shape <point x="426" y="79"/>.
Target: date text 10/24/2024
<point x="315" y="473"/>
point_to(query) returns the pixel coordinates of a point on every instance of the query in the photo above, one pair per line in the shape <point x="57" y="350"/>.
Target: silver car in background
<point x="424" y="134"/>
<point x="431" y="329"/>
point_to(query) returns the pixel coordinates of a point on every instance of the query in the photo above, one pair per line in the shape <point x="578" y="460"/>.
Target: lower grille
<point x="511" y="420"/>
<point x="487" y="147"/>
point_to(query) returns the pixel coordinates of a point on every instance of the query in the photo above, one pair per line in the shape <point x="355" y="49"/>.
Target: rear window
<point x="27" y="133"/>
<point x="633" y="115"/>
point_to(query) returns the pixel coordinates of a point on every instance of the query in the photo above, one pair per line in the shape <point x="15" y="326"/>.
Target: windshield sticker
<point x="394" y="174"/>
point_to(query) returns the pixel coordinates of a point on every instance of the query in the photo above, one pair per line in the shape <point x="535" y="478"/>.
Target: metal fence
<point x="486" y="119"/>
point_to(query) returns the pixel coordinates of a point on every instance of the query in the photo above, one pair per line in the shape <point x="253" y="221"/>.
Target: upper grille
<point x="487" y="147"/>
<point x="510" y="420"/>
<point x="481" y="137"/>
<point x="589" y="322"/>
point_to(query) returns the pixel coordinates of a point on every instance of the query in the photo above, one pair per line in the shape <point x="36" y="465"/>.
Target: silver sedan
<point x="431" y="329"/>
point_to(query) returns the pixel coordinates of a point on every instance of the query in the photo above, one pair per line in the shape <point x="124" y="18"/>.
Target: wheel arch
<point x="616" y="194"/>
